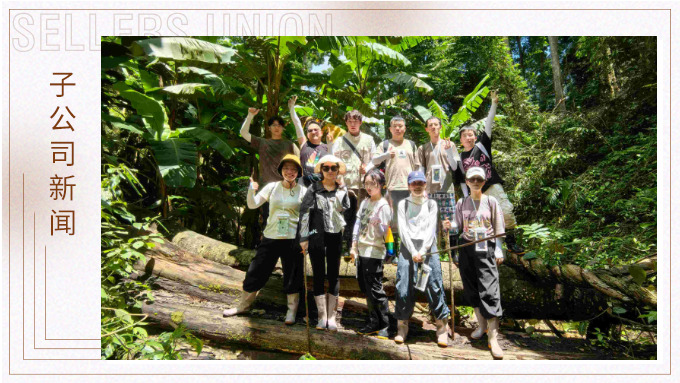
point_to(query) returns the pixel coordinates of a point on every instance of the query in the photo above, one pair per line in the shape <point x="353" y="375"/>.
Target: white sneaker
<point x="245" y="301"/>
<point x="293" y="300"/>
<point x="482" y="325"/>
<point x="332" y="312"/>
<point x="321" y="308"/>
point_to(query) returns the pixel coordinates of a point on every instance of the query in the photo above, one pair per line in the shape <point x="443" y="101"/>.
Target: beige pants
<point x="496" y="191"/>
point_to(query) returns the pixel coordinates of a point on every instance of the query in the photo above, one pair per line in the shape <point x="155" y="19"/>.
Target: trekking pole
<point x="304" y="276"/>
<point x="465" y="245"/>
<point x="447" y="242"/>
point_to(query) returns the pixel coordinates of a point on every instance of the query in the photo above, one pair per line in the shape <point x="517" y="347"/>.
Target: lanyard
<point x="435" y="150"/>
<point x="283" y="198"/>
<point x="478" y="211"/>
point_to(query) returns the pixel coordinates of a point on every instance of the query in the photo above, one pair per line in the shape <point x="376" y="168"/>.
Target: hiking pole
<point x="447" y="242"/>
<point x="465" y="245"/>
<point x="304" y="283"/>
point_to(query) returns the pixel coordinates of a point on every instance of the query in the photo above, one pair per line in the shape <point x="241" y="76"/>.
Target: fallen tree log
<point x="522" y="295"/>
<point x="616" y="284"/>
<point x="205" y="320"/>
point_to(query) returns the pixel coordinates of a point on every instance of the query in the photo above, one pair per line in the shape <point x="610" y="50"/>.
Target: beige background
<point x="63" y="37"/>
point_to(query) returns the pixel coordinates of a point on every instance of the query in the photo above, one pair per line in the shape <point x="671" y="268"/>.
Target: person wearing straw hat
<point x="270" y="151"/>
<point x="321" y="229"/>
<point x="280" y="239"/>
<point x="418" y="263"/>
<point x="479" y="216"/>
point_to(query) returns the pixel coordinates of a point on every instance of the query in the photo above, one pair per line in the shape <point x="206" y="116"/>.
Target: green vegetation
<point x="581" y="171"/>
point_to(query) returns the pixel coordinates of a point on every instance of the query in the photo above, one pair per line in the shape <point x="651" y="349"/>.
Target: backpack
<point x="386" y="144"/>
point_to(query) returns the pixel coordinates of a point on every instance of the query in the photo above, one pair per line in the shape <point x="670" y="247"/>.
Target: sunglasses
<point x="476" y="179"/>
<point x="333" y="168"/>
<point x="418" y="183"/>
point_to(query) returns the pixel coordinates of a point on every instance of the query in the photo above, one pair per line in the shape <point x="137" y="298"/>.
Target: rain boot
<point x="321" y="308"/>
<point x="332" y="311"/>
<point x="442" y="333"/>
<point x="496" y="350"/>
<point x="481" y="328"/>
<point x="402" y="331"/>
<point x="293" y="300"/>
<point x="245" y="301"/>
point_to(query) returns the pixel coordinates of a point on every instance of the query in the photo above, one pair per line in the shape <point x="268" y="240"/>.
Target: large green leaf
<point x="289" y="44"/>
<point x="341" y="74"/>
<point x="409" y="81"/>
<point x="471" y="103"/>
<point x="176" y="159"/>
<point x="210" y="78"/>
<point x="147" y="107"/>
<point x="370" y="51"/>
<point x="423" y="112"/>
<point x="183" y="49"/>
<point x="216" y="140"/>
<point x="186" y="90"/>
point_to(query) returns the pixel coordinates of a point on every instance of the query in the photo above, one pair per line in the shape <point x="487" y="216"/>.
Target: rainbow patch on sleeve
<point x="389" y="241"/>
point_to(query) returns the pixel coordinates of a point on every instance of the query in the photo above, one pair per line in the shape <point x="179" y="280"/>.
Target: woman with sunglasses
<point x="311" y="149"/>
<point x="480" y="215"/>
<point x="321" y="226"/>
<point x="368" y="244"/>
<point x="280" y="240"/>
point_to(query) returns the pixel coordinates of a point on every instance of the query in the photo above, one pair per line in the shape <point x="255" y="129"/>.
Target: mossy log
<point x="204" y="319"/>
<point x="189" y="257"/>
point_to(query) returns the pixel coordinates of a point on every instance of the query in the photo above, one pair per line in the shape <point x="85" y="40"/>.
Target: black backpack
<point x="386" y="144"/>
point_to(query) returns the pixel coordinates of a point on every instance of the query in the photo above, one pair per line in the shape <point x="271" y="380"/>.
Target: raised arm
<point x="492" y="113"/>
<point x="254" y="201"/>
<point x="299" y="131"/>
<point x="245" y="128"/>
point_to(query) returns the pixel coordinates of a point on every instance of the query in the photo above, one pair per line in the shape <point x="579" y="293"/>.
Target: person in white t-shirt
<point x="280" y="239"/>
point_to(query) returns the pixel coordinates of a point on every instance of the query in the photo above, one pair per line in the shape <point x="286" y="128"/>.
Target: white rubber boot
<point x="321" y="308"/>
<point x="402" y="331"/>
<point x="481" y="329"/>
<point x="293" y="300"/>
<point x="496" y="350"/>
<point x="332" y="312"/>
<point x="245" y="301"/>
<point x="442" y="333"/>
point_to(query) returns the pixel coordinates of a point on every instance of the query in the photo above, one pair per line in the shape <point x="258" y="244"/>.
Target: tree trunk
<point x="611" y="74"/>
<point x="560" y="103"/>
<point x="205" y="319"/>
<point x="529" y="289"/>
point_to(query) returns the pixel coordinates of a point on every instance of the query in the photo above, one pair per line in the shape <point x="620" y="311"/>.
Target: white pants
<point x="496" y="191"/>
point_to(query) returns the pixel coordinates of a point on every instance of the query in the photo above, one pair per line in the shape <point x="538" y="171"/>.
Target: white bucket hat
<point x="333" y="159"/>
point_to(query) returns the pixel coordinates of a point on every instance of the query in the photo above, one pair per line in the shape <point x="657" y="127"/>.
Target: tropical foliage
<point x="583" y="182"/>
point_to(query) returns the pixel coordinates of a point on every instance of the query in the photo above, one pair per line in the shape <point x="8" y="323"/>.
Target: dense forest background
<point x="574" y="138"/>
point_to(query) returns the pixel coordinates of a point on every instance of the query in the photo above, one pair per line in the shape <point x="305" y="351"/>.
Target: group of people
<point x="322" y="196"/>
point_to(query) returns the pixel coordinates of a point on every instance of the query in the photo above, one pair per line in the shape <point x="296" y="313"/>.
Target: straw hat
<point x="333" y="159"/>
<point x="291" y="158"/>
